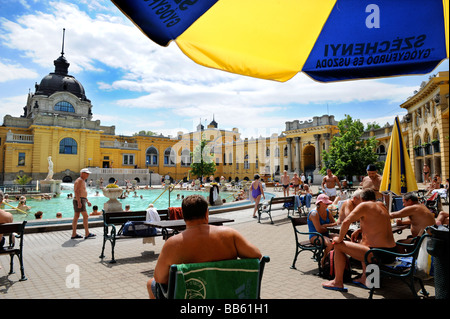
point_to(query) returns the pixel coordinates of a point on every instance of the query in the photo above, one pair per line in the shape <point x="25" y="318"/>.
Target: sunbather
<point x="415" y="214"/>
<point x="200" y="242"/>
<point x="318" y="221"/>
<point x="375" y="231"/>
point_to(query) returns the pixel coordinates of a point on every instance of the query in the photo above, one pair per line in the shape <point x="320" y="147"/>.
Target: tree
<point x="349" y="154"/>
<point x="372" y="125"/>
<point x="146" y="133"/>
<point x="202" y="160"/>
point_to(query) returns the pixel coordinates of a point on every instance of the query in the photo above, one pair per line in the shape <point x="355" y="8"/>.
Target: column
<point x="297" y="154"/>
<point x="289" y="146"/>
<point x="317" y="149"/>
<point x="327" y="138"/>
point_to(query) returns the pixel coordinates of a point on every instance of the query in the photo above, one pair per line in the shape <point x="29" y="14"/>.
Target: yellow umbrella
<point x="330" y="40"/>
<point x="398" y="175"/>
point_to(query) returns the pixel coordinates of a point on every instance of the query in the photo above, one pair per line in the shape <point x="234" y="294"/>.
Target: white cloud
<point x="12" y="105"/>
<point x="9" y="72"/>
<point x="102" y="41"/>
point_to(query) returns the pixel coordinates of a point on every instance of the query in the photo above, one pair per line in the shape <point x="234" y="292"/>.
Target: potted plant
<point x="436" y="145"/>
<point x="417" y="150"/>
<point x="427" y="148"/>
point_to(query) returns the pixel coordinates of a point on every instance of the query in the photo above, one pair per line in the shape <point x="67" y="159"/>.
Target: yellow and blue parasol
<point x="330" y="40"/>
<point x="398" y="175"/>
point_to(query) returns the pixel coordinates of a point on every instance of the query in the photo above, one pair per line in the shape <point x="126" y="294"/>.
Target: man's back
<point x="376" y="225"/>
<point x="203" y="243"/>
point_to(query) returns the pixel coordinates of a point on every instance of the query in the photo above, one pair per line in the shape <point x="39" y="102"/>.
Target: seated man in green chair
<point x="200" y="242"/>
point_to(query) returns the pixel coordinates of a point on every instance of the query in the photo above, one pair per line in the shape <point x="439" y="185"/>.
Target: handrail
<point x="15" y="208"/>
<point x="160" y="195"/>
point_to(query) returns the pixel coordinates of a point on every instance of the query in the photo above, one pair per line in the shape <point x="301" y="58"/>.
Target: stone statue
<point x="50" y="169"/>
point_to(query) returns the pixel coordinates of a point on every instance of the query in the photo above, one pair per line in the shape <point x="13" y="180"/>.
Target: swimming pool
<point x="138" y="201"/>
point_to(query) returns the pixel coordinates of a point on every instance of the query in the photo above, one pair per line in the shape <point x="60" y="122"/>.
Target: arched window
<point x="64" y="106"/>
<point x="169" y="156"/>
<point x="151" y="156"/>
<point x="381" y="150"/>
<point x="185" y="157"/>
<point x="68" y="146"/>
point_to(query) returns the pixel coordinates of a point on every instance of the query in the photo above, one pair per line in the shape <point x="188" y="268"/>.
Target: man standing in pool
<point x="79" y="204"/>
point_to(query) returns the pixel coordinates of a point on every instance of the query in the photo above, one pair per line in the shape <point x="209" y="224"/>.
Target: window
<point x="169" y="157"/>
<point x="185" y="157"/>
<point x="21" y="161"/>
<point x="68" y="146"/>
<point x="246" y="164"/>
<point x="128" y="159"/>
<point x="151" y="156"/>
<point x="64" y="106"/>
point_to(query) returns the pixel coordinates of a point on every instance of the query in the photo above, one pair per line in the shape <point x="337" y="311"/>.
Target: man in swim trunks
<point x="329" y="185"/>
<point x="375" y="231"/>
<point x="296" y="183"/>
<point x="372" y="180"/>
<point x="200" y="242"/>
<point x="285" y="180"/>
<point x="79" y="204"/>
<point x="349" y="205"/>
<point x="418" y="216"/>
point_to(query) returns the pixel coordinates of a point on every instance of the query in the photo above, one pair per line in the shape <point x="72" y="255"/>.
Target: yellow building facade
<point x="427" y="124"/>
<point x="57" y="123"/>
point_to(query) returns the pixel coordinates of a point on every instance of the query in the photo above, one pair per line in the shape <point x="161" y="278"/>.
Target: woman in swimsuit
<point x="257" y="191"/>
<point x="318" y="220"/>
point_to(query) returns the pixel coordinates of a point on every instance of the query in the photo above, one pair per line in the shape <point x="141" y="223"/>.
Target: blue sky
<point x="136" y="85"/>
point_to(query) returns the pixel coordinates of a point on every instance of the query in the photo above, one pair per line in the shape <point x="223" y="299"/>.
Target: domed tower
<point x="213" y="123"/>
<point x="59" y="93"/>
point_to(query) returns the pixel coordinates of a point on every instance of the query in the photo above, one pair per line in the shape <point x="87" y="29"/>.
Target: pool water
<point x="65" y="205"/>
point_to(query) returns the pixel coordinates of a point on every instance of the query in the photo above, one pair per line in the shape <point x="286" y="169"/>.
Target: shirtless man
<point x="79" y="204"/>
<point x="5" y="217"/>
<point x="285" y="180"/>
<point x="329" y="184"/>
<point x="296" y="183"/>
<point x="419" y="216"/>
<point x="372" y="180"/>
<point x="200" y="242"/>
<point x="375" y="231"/>
<point x="349" y="205"/>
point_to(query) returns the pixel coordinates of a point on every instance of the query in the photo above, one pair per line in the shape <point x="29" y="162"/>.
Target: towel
<point x="149" y="240"/>
<point x="175" y="213"/>
<point x="152" y="215"/>
<point x="226" y="279"/>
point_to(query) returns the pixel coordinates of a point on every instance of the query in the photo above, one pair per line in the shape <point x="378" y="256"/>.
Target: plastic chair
<point x="226" y="279"/>
<point x="406" y="274"/>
